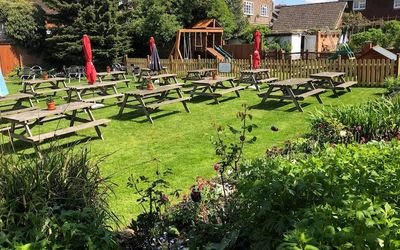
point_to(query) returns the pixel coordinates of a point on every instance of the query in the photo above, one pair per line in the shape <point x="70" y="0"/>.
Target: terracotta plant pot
<point x="108" y="69"/>
<point x="51" y="105"/>
<point x="45" y="76"/>
<point x="214" y="75"/>
<point x="150" y="86"/>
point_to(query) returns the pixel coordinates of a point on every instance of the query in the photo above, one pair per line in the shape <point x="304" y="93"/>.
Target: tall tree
<point x="236" y="7"/>
<point x="101" y="20"/>
<point x="23" y="22"/>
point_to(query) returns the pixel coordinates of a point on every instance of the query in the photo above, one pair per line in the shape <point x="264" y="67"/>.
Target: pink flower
<point x="164" y="198"/>
<point x="216" y="166"/>
<point x="363" y="140"/>
<point x="359" y="129"/>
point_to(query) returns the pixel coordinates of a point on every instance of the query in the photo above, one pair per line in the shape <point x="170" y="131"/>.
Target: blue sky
<point x="299" y="1"/>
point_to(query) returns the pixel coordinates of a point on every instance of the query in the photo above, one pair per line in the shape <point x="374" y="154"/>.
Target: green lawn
<point x="182" y="141"/>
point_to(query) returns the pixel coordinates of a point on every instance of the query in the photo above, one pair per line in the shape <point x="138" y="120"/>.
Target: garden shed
<point x="377" y="52"/>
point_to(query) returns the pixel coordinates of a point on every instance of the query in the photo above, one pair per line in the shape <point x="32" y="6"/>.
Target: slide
<point x="215" y="53"/>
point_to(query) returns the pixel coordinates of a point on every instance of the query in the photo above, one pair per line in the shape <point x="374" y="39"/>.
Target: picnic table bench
<point x="117" y="75"/>
<point x="199" y="74"/>
<point x="29" y="119"/>
<point x="215" y="88"/>
<point x="161" y="94"/>
<point x="36" y="88"/>
<point x="100" y="89"/>
<point x="334" y="81"/>
<point x="289" y="93"/>
<point x="148" y="72"/>
<point x="256" y="77"/>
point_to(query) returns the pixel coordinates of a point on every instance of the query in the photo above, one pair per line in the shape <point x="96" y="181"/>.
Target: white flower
<point x="342" y="133"/>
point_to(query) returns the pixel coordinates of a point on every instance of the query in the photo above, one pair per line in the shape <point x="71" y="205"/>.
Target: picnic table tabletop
<point x="161" y="76"/>
<point x="328" y="75"/>
<point x="14" y="97"/>
<point x="160" y="89"/>
<point x="212" y="82"/>
<point x="94" y="86"/>
<point x="42" y="113"/>
<point x="38" y="80"/>
<point x="202" y="70"/>
<point x="254" y="71"/>
<point x="111" y="73"/>
<point x="292" y="82"/>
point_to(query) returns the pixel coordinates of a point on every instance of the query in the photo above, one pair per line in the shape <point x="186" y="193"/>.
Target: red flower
<point x="216" y="166"/>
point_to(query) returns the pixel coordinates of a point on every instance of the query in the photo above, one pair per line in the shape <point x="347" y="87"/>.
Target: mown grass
<point x="182" y="141"/>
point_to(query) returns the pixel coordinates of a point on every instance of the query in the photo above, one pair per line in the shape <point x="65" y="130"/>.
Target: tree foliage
<point x="99" y="19"/>
<point x="236" y="7"/>
<point x="23" y="22"/>
<point x="248" y="33"/>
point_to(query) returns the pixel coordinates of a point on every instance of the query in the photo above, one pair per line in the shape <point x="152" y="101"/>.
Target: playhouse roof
<point x="207" y="24"/>
<point x="309" y="16"/>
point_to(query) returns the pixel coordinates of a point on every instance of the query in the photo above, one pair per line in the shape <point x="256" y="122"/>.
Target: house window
<point x="396" y="4"/>
<point x="359" y="4"/>
<point x="264" y="10"/>
<point x="248" y="8"/>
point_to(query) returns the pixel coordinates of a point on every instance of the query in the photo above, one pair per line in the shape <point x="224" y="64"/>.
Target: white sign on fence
<point x="225" y="67"/>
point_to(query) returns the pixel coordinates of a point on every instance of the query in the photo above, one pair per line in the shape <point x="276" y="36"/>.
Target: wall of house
<point x="256" y="18"/>
<point x="310" y="43"/>
<point x="378" y="9"/>
<point x="296" y="46"/>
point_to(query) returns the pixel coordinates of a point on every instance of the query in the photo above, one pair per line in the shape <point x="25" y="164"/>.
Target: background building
<point x="258" y="11"/>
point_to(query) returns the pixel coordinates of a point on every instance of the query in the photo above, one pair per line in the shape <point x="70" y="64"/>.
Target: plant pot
<point x="51" y="106"/>
<point x="108" y="69"/>
<point x="150" y="86"/>
<point x="45" y="77"/>
<point x="214" y="75"/>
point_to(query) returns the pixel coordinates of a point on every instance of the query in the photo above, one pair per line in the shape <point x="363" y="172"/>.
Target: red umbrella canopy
<point x="257" y="40"/>
<point x="90" y="69"/>
<point x="152" y="42"/>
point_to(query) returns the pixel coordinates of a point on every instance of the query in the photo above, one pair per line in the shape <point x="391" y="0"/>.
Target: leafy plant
<point x="59" y="201"/>
<point x="392" y="84"/>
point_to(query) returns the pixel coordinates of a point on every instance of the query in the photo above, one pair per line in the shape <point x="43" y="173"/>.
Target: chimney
<point x="367" y="47"/>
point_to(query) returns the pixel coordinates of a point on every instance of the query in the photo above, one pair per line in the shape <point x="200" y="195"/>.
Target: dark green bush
<point x="58" y="202"/>
<point x="343" y="197"/>
<point x="374" y="120"/>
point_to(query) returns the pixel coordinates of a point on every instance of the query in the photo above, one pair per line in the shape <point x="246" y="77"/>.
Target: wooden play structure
<point x="204" y="39"/>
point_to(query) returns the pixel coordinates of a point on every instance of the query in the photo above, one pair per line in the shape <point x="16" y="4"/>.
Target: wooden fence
<point x="369" y="72"/>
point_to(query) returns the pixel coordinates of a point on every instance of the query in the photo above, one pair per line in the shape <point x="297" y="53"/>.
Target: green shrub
<point x="346" y="196"/>
<point x="392" y="84"/>
<point x="58" y="202"/>
<point x="374" y="120"/>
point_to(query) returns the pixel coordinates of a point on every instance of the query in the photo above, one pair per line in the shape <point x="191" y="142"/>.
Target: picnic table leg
<point x="186" y="78"/>
<point x="121" y="110"/>
<point x="212" y="90"/>
<point x="116" y="92"/>
<point x="146" y="112"/>
<point x="64" y="84"/>
<point x="73" y="118"/>
<point x="233" y="86"/>
<point x="35" y="146"/>
<point x="254" y="80"/>
<point x="193" y="91"/>
<point x="89" y="112"/>
<point x="333" y="87"/>
<point x="312" y="86"/>
<point x="78" y="94"/>
<point x="179" y="92"/>
<point x="293" y="97"/>
<point x="266" y="95"/>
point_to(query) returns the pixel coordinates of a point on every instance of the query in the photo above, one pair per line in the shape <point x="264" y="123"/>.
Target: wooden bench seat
<point x="272" y="79"/>
<point x="50" y="91"/>
<point x="15" y="97"/>
<point x="310" y="93"/>
<point x="346" y="85"/>
<point x="126" y="81"/>
<point x="41" y="137"/>
<point x="102" y="98"/>
<point x="17" y="111"/>
<point x="159" y="104"/>
<point x="229" y="90"/>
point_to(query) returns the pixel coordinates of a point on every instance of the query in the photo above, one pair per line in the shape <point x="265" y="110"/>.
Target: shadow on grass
<point x="20" y="147"/>
<point x="273" y="105"/>
<point x="135" y="114"/>
<point x="200" y="99"/>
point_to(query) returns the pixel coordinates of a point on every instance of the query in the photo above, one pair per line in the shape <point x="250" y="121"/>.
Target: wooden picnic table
<point x="256" y="77"/>
<point x="199" y="74"/>
<point x="118" y="76"/>
<point x="29" y="119"/>
<point x="215" y="88"/>
<point x="13" y="104"/>
<point x="161" y="96"/>
<point x="52" y="86"/>
<point x="148" y="72"/>
<point x="100" y="89"/>
<point x="334" y="81"/>
<point x="162" y="79"/>
<point x="305" y="88"/>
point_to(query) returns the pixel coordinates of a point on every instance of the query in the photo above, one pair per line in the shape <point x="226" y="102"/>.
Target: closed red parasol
<point x="257" y="47"/>
<point x="90" y="69"/>
<point x="152" y="42"/>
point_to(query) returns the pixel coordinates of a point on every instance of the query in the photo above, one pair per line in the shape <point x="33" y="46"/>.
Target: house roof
<point x="207" y="24"/>
<point x="384" y="52"/>
<point x="309" y="16"/>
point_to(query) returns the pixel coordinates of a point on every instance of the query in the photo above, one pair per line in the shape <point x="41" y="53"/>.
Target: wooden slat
<point x="172" y="101"/>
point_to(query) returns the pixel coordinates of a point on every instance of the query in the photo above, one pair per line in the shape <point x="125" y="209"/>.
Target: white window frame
<point x="264" y="8"/>
<point x="396" y="4"/>
<point x="359" y="4"/>
<point x="248" y="8"/>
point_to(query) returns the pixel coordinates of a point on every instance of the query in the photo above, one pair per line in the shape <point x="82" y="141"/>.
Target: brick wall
<point x="256" y="18"/>
<point x="377" y="9"/>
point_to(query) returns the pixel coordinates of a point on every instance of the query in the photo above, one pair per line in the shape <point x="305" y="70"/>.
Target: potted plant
<point x="108" y="69"/>
<point x="149" y="85"/>
<point x="214" y="75"/>
<point x="51" y="105"/>
<point x="45" y="75"/>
